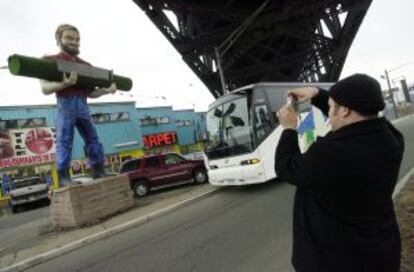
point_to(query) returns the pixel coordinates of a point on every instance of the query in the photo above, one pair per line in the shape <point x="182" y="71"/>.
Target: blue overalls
<point x="73" y="111"/>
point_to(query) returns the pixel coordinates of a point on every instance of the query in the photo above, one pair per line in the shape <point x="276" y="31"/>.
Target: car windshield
<point x="228" y="130"/>
<point x="27" y="182"/>
<point x="130" y="166"/>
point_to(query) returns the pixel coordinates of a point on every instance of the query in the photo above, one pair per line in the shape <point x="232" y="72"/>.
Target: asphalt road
<point x="237" y="229"/>
<point x="22" y="230"/>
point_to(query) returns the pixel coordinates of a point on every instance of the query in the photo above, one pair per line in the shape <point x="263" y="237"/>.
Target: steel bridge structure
<point x="230" y="44"/>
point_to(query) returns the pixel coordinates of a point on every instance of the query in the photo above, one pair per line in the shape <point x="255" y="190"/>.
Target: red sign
<point x="39" y="141"/>
<point x="160" y="139"/>
<point x="31" y="146"/>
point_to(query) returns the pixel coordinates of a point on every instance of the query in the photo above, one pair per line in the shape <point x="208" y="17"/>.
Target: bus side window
<point x="263" y="124"/>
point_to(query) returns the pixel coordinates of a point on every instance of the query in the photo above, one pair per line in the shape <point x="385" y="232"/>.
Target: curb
<point x="401" y="183"/>
<point x="41" y="258"/>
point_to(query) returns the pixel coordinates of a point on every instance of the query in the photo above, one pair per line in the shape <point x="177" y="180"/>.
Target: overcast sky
<point x="116" y="34"/>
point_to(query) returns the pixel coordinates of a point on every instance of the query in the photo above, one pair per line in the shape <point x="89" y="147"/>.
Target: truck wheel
<point x="200" y="176"/>
<point x="140" y="188"/>
<point x="14" y="209"/>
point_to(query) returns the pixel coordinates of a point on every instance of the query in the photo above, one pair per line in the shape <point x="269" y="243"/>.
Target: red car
<point x="163" y="170"/>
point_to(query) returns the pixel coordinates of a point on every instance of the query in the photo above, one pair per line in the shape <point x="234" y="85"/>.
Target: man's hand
<point x="288" y="117"/>
<point x="71" y="79"/>
<point x="304" y="94"/>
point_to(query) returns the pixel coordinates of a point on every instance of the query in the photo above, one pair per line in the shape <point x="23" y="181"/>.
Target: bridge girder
<point x="297" y="40"/>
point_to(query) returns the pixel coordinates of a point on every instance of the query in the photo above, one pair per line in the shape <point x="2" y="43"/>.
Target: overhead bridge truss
<point x="253" y="41"/>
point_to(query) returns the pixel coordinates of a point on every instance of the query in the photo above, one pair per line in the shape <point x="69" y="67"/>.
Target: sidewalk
<point x="56" y="243"/>
<point x="404" y="207"/>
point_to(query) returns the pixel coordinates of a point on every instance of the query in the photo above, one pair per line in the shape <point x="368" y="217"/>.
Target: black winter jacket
<point x="344" y="217"/>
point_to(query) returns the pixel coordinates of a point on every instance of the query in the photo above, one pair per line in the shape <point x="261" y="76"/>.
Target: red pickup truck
<point x="163" y="170"/>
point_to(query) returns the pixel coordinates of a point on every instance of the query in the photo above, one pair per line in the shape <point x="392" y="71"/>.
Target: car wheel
<point x="140" y="188"/>
<point x="200" y="176"/>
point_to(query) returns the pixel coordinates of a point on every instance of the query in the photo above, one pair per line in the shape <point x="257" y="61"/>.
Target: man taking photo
<point x="343" y="217"/>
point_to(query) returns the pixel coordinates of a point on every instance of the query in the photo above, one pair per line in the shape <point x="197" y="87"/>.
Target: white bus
<point x="243" y="131"/>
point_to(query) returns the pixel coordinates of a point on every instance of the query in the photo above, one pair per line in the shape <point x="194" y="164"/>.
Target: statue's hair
<point x="63" y="27"/>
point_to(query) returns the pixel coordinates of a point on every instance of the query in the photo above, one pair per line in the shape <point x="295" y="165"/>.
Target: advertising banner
<point x="21" y="147"/>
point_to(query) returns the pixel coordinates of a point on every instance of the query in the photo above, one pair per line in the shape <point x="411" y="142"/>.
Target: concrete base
<point x="87" y="203"/>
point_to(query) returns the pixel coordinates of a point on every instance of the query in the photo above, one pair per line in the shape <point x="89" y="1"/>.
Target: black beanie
<point x="360" y="93"/>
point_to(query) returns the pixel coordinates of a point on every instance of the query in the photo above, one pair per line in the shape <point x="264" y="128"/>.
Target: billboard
<point x="19" y="147"/>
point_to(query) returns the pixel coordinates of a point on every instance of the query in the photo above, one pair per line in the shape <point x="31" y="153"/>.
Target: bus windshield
<point x="228" y="130"/>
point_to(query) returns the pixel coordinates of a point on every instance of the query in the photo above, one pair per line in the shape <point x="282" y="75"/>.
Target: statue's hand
<point x="71" y="79"/>
<point x="111" y="89"/>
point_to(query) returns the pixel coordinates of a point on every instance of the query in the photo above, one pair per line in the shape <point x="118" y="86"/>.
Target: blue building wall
<point x="156" y="112"/>
<point x="123" y="135"/>
<point x="185" y="124"/>
<point x="115" y="136"/>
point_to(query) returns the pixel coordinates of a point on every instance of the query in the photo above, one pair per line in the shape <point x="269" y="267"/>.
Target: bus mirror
<point x="218" y="113"/>
<point x="231" y="108"/>
<point x="237" y="121"/>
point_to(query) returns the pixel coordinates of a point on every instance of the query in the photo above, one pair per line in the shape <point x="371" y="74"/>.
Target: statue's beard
<point x="70" y="50"/>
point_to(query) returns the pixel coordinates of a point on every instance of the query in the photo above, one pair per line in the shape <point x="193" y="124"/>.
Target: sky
<point x="116" y="34"/>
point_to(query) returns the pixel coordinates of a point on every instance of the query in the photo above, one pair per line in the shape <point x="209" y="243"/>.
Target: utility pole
<point x="391" y="93"/>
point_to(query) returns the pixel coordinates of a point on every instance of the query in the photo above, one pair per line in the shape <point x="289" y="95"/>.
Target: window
<point x="119" y="116"/>
<point x="27" y="182"/>
<point x="130" y="166"/>
<point x="228" y="130"/>
<point x="262" y="125"/>
<point x="184" y="123"/>
<point x="179" y="123"/>
<point x="22" y="123"/>
<point x="173" y="159"/>
<point x="151" y="121"/>
<point x="148" y="121"/>
<point x="153" y="162"/>
<point x="163" y="120"/>
<point x="110" y="117"/>
<point x="100" y="118"/>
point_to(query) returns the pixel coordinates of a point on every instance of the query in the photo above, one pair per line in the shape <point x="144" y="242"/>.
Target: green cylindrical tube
<point x="47" y="69"/>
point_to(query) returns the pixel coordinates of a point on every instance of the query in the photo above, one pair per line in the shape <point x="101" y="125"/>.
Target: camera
<point x="292" y="100"/>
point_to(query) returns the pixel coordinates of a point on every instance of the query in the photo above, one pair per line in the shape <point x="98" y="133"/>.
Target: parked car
<point x="28" y="190"/>
<point x="163" y="170"/>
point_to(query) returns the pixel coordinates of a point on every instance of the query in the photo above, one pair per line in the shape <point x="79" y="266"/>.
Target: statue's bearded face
<point x="70" y="42"/>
